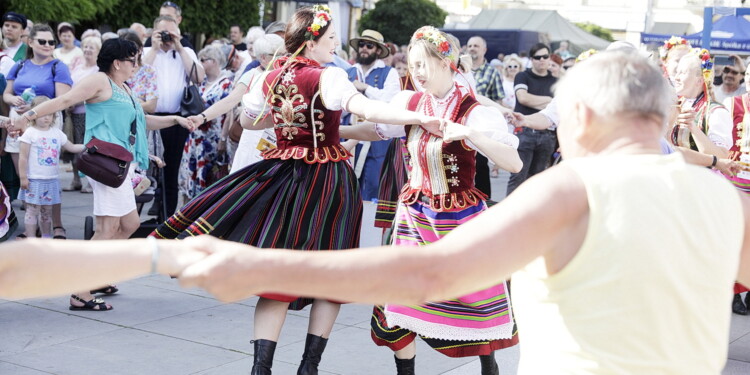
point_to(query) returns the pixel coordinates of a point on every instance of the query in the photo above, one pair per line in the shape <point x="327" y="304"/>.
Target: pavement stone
<point x="159" y="328"/>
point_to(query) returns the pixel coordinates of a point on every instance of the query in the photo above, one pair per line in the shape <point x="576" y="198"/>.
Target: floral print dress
<point x="200" y="154"/>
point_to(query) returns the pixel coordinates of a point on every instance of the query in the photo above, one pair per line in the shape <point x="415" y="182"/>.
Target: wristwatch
<point x="29" y="114"/>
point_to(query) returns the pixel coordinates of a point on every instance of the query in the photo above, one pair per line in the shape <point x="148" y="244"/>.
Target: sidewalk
<point x="159" y="328"/>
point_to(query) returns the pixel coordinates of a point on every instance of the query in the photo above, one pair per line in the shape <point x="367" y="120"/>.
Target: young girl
<point x="38" y="170"/>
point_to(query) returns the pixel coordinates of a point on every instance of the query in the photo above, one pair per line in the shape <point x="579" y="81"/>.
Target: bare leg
<point x="408" y="352"/>
<point x="30" y="220"/>
<point x="269" y="318"/>
<point x="322" y="317"/>
<point x="45" y="221"/>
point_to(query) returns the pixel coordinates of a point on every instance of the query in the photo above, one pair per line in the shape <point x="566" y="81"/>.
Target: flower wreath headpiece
<point x="320" y="20"/>
<point x="672" y="42"/>
<point x="434" y="36"/>
<point x="586" y="54"/>
<point x="707" y="64"/>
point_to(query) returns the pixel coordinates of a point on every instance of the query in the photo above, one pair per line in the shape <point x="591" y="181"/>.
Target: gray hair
<point x="616" y="83"/>
<point x="214" y="52"/>
<point x="268" y="44"/>
<point x="254" y="33"/>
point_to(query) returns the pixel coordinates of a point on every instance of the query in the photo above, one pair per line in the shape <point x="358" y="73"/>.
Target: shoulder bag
<point x="192" y="102"/>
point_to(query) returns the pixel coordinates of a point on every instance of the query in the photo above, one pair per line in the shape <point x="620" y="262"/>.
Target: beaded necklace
<point x="431" y="104"/>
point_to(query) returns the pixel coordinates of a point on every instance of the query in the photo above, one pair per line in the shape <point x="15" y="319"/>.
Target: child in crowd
<point x="38" y="168"/>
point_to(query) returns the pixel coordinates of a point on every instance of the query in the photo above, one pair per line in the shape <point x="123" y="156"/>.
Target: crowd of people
<point x="426" y="126"/>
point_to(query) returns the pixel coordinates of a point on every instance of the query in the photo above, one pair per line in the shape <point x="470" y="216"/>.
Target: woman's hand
<point x="185" y="123"/>
<point x="455" y="132"/>
<point x="729" y="167"/>
<point x="432" y="124"/>
<point x="686" y="118"/>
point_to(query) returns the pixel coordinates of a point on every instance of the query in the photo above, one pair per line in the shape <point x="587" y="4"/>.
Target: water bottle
<point x="29" y="94"/>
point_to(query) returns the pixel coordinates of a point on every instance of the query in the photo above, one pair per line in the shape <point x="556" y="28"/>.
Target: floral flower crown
<point x="434" y="36"/>
<point x="586" y="54"/>
<point x="672" y="42"/>
<point x="320" y="20"/>
<point x="707" y="65"/>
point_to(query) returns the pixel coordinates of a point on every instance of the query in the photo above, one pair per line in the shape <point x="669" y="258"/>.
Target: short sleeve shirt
<point x="44" y="153"/>
<point x="40" y="76"/>
<point x="534" y="84"/>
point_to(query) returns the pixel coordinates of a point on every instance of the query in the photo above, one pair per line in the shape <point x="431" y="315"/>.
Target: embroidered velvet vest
<point x="442" y="174"/>
<point x="305" y="128"/>
<point x="741" y="130"/>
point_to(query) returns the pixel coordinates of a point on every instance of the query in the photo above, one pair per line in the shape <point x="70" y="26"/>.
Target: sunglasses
<point x="43" y="42"/>
<point x="728" y="70"/>
<point x="540" y="57"/>
<point x="512" y="66"/>
<point x="369" y="45"/>
<point x="133" y="60"/>
<point x="169" y="4"/>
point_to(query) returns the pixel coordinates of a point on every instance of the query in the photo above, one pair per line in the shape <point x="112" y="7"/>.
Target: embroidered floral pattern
<point x="288" y="110"/>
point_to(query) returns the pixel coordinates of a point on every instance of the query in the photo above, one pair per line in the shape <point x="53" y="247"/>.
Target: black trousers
<point x="173" y="139"/>
<point x="482" y="176"/>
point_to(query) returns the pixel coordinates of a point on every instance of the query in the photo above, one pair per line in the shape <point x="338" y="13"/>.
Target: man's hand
<point x="360" y="86"/>
<point x="516" y="119"/>
<point x="176" y="41"/>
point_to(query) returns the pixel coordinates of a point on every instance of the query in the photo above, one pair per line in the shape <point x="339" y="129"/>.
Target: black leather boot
<point x="405" y="366"/>
<point x="314" y="347"/>
<point x="489" y="365"/>
<point x="263" y="357"/>
<point x="737" y="306"/>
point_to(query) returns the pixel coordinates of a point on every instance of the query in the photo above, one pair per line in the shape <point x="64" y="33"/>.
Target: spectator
<point x="14" y="25"/>
<point x="568" y="63"/>
<point x="511" y="67"/>
<point x="204" y="145"/>
<point x="173" y="62"/>
<point x="235" y="35"/>
<point x="91" y="32"/>
<point x="498" y="65"/>
<point x="81" y="67"/>
<point x="731" y="77"/>
<point x="533" y="92"/>
<point x="68" y="51"/>
<point x="278" y="28"/>
<point x="555" y="65"/>
<point x="489" y="84"/>
<point x="173" y="10"/>
<point x="109" y="35"/>
<point x="110" y="112"/>
<point x="47" y="76"/>
<point x="140" y="30"/>
<point x="563" y="51"/>
<point x="400" y="64"/>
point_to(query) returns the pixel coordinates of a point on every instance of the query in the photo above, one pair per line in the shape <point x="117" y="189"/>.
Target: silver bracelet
<point x="154" y="253"/>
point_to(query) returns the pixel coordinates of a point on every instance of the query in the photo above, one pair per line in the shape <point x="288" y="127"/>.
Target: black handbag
<point x="105" y="162"/>
<point x="192" y="102"/>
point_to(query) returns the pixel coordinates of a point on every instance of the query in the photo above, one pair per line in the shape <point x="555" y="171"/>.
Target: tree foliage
<point x="398" y="19"/>
<point x="198" y="16"/>
<point x="58" y="10"/>
<point x="596" y="30"/>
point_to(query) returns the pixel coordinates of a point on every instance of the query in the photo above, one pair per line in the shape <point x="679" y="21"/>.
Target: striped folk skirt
<point x="472" y="325"/>
<point x="275" y="203"/>
<point x="393" y="177"/>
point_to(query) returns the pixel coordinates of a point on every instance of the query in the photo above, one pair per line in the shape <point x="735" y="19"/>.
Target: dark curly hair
<point x="115" y="49"/>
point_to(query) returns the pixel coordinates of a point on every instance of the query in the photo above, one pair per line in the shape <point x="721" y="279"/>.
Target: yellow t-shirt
<point x="649" y="292"/>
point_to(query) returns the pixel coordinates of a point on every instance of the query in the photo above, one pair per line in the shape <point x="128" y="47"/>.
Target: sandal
<point x="60" y="236"/>
<point x="95" y="304"/>
<point x="109" y="289"/>
<point x="21" y="236"/>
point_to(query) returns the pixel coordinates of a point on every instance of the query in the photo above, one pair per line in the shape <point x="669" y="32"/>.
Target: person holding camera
<point x="172" y="62"/>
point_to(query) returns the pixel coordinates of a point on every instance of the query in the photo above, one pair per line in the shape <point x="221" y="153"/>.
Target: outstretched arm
<point x="35" y="268"/>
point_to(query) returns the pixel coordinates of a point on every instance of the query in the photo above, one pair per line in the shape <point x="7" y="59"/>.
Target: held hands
<point x="185" y="123"/>
<point x="686" y="118"/>
<point x="17" y="126"/>
<point x="729" y="167"/>
<point x="432" y="125"/>
<point x="196" y="120"/>
<point x="454" y="132"/>
<point x="516" y="119"/>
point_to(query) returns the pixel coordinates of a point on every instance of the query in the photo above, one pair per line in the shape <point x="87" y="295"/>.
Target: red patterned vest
<point x="305" y="128"/>
<point x="442" y="174"/>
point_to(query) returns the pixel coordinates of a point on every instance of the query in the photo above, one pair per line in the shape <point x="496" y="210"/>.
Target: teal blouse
<point x="110" y="121"/>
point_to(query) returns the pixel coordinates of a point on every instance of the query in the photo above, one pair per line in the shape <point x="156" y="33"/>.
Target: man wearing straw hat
<point x="376" y="81"/>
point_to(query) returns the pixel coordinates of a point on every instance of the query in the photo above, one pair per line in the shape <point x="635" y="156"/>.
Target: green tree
<point x="398" y="19"/>
<point x="58" y="10"/>
<point x="198" y="16"/>
<point x="596" y="30"/>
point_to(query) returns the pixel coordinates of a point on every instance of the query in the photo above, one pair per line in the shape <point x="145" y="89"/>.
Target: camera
<point x="166" y="37"/>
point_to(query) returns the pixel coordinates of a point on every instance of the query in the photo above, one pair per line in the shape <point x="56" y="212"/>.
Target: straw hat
<point x="374" y="37"/>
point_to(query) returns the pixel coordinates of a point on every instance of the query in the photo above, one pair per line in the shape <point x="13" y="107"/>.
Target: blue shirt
<point x="40" y="76"/>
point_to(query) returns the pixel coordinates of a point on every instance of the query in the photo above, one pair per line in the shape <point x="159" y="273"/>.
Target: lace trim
<point x="446" y="332"/>
<point x="323" y="154"/>
<point x="451" y="202"/>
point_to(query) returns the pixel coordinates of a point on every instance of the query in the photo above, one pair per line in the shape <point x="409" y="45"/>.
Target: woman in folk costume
<point x="439" y="196"/>
<point x="304" y="195"/>
<point x="703" y="125"/>
<point x="739" y="107"/>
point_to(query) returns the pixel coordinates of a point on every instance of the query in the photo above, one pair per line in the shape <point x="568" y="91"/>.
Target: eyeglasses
<point x="540" y="57"/>
<point x="43" y="42"/>
<point x="369" y="45"/>
<point x="728" y="70"/>
<point x="512" y="66"/>
<point x="169" y="4"/>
